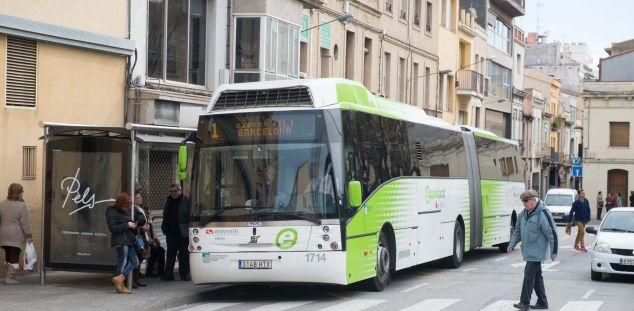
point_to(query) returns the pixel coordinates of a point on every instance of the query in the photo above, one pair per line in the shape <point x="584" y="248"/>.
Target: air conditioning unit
<point x="403" y="15"/>
<point x="154" y="112"/>
<point x="224" y="76"/>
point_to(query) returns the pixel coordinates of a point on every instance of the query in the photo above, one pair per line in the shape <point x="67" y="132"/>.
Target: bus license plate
<point x="255" y="264"/>
<point x="627" y="261"/>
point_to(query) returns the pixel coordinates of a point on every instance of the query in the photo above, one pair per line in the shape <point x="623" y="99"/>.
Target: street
<point x="488" y="281"/>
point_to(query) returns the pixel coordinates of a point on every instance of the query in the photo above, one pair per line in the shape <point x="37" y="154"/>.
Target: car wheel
<point x="454" y="261"/>
<point x="383" y="269"/>
<point x="596" y="276"/>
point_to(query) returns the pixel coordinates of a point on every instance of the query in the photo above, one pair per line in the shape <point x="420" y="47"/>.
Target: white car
<point x="559" y="202"/>
<point x="613" y="250"/>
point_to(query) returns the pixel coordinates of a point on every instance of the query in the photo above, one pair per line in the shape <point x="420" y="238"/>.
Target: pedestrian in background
<point x="123" y="233"/>
<point x="619" y="200"/>
<point x="175" y="226"/>
<point x="631" y="198"/>
<point x="157" y="252"/>
<point x="609" y="202"/>
<point x="15" y="230"/>
<point x="580" y="216"/>
<point x="136" y="273"/>
<point x="535" y="228"/>
<point x="600" y="203"/>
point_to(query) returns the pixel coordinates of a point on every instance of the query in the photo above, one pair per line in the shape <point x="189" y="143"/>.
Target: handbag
<point x="139" y="243"/>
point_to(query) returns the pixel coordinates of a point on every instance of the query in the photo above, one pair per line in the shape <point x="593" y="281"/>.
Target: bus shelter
<point x="85" y="167"/>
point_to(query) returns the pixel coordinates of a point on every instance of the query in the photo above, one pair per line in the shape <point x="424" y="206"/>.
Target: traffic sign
<point x="577" y="171"/>
<point x="576" y="161"/>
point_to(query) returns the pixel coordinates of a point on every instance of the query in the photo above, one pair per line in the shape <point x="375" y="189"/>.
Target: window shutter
<point x="620" y="134"/>
<point x="21" y="72"/>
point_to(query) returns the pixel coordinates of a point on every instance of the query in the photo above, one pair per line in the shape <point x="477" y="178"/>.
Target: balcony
<point x="470" y="83"/>
<point x="513" y="8"/>
<point x="466" y="23"/>
<point x="312" y="4"/>
<point x="519" y="36"/>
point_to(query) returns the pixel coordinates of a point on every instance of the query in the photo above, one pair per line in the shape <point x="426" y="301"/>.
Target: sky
<point x="597" y="23"/>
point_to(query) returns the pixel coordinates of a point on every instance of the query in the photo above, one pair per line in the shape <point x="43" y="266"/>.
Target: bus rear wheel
<point x="383" y="266"/>
<point x="454" y="261"/>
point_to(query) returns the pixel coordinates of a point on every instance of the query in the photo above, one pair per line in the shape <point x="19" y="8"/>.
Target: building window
<point x="21" y="72"/>
<point x="176" y="40"/>
<point x="462" y="117"/>
<point x="387" y="68"/>
<point x="388" y="6"/>
<point x="520" y="64"/>
<point x="28" y="162"/>
<point x="350" y="55"/>
<point x="247" y="52"/>
<point x="404" y="9"/>
<point x="619" y="134"/>
<point x="500" y="78"/>
<point x="428" y="19"/>
<point x="367" y="63"/>
<point x="414" y="99"/>
<point x="402" y="75"/>
<point x="443" y="16"/>
<point x="282" y="44"/>
<point x="417" y="12"/>
<point x="427" y="86"/>
<point x="499" y="34"/>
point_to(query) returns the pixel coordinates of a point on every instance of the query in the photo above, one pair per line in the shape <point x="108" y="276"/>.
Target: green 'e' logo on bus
<point x="286" y="238"/>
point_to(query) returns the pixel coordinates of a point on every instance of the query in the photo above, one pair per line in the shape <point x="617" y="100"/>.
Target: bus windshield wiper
<point x="314" y="219"/>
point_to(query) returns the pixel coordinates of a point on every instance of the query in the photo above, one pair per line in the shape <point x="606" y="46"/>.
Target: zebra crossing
<point x="367" y="304"/>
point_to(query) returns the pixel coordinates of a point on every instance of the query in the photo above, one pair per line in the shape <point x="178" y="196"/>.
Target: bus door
<point x="475" y="194"/>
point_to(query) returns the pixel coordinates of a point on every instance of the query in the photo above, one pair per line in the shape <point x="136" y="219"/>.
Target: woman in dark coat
<point x="123" y="229"/>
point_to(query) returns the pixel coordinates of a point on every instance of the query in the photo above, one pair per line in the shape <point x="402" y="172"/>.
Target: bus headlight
<point x="334" y="246"/>
<point x="199" y="248"/>
<point x="319" y="246"/>
<point x="195" y="239"/>
<point x="326" y="237"/>
<point x="195" y="231"/>
<point x="326" y="229"/>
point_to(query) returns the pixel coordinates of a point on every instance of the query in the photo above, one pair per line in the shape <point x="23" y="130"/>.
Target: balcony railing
<point x="513" y="8"/>
<point x="469" y="82"/>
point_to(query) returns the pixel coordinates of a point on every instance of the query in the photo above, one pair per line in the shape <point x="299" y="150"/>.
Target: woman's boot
<point x="136" y="278"/>
<point x="119" y="285"/>
<point x="9" y="277"/>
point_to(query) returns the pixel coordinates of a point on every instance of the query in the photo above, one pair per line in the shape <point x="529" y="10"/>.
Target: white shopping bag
<point x="30" y="258"/>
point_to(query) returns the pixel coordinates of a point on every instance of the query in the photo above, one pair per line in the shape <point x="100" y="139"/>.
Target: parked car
<point x="612" y="251"/>
<point x="559" y="202"/>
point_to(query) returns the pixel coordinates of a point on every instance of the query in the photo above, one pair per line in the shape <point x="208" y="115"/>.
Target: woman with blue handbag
<point x="123" y="231"/>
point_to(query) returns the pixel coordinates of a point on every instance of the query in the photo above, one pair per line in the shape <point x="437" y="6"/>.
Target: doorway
<point x="617" y="183"/>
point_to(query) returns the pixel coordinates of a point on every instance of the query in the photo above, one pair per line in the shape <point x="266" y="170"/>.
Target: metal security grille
<point x="28" y="162"/>
<point x="162" y="174"/>
<point x="21" y="72"/>
<point x="285" y="97"/>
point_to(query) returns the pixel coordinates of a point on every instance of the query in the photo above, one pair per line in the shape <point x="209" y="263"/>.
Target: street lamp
<point x="342" y="19"/>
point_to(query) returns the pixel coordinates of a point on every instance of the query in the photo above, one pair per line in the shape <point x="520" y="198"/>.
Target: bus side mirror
<point x="182" y="162"/>
<point x="354" y="193"/>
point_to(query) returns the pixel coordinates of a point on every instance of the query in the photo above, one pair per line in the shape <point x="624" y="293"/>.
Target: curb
<point x="174" y="302"/>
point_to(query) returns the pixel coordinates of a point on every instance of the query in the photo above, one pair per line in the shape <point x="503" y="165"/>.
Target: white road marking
<point x="566" y="247"/>
<point x="546" y="267"/>
<point x="431" y="305"/>
<point x="355" y="305"/>
<point x="211" y="306"/>
<point x="582" y="306"/>
<point x="519" y="264"/>
<point x="503" y="258"/>
<point x="467" y="270"/>
<point x="280" y="306"/>
<point x="588" y="294"/>
<point x="414" y="287"/>
<point x="501" y="305"/>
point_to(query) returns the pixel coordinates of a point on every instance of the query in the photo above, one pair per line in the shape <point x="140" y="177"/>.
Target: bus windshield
<point x="264" y="167"/>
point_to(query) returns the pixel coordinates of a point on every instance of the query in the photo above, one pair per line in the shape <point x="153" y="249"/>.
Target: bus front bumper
<point x="268" y="267"/>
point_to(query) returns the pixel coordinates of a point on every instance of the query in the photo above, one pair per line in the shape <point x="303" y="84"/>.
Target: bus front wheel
<point x="454" y="261"/>
<point x="383" y="269"/>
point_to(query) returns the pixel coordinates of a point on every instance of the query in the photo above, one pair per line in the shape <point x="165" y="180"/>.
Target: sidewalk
<point x="70" y="291"/>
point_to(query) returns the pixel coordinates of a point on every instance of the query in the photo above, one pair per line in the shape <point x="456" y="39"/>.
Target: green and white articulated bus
<point x="320" y="181"/>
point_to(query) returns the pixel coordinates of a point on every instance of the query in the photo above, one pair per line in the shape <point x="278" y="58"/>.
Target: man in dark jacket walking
<point x="580" y="215"/>
<point x="535" y="228"/>
<point x="175" y="226"/>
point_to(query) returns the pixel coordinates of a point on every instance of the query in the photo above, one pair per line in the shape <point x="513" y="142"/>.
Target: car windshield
<point x="559" y="200"/>
<point x="250" y="172"/>
<point x="619" y="221"/>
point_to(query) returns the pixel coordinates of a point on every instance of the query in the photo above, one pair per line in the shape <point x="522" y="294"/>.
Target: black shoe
<point x="151" y="275"/>
<point x="167" y="278"/>
<point x="138" y="283"/>
<point x="539" y="306"/>
<point x="521" y="306"/>
<point x="186" y="278"/>
<point x="134" y="286"/>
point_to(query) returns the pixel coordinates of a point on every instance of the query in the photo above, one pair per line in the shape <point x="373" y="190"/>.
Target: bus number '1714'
<point x="312" y="257"/>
